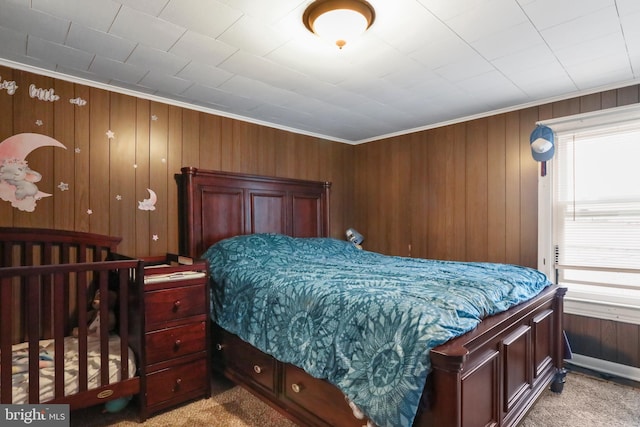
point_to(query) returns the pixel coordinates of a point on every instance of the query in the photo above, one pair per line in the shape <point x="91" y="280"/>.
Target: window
<point x="595" y="212"/>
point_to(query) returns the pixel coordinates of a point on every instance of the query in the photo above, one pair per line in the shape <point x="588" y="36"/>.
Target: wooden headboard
<point x="217" y="205"/>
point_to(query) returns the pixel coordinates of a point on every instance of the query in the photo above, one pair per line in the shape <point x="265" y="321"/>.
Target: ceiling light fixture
<point x="338" y="21"/>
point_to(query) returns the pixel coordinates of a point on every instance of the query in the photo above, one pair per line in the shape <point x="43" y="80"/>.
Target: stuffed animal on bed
<point x="93" y="317"/>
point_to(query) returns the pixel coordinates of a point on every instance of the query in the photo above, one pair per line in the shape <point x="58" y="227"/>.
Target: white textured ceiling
<point x="422" y="63"/>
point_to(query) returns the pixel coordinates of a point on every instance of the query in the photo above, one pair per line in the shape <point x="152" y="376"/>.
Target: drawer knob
<point x="177" y="343"/>
<point x="177" y="385"/>
<point x="176" y="305"/>
<point x="218" y="346"/>
<point x="257" y="369"/>
<point x="296" y="388"/>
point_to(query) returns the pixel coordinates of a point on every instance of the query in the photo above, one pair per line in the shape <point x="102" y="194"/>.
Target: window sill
<point x="603" y="303"/>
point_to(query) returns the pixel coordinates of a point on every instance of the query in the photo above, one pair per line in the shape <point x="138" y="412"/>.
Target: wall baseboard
<point x="605" y="367"/>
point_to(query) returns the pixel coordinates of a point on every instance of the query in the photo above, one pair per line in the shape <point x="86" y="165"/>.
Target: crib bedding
<point x="361" y="320"/>
<point x="20" y="377"/>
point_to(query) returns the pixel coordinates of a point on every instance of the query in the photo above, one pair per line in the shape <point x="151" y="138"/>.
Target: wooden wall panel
<point x="512" y="188"/>
<point x="444" y="200"/>
<point x="191" y="136"/>
<point x="591" y="102"/>
<point x="496" y="188"/>
<point x="393" y="179"/>
<point x="628" y="95"/>
<point x="152" y="142"/>
<point x="477" y="191"/>
<point x="615" y="342"/>
<point x="419" y="206"/>
<point x="63" y="160"/>
<point x="6" y="129"/>
<point x="441" y="194"/>
<point x="627" y="344"/>
<point x="529" y="171"/>
<point x="207" y="153"/>
<point x="158" y="173"/>
<point x="457" y="194"/>
<point x="38" y="119"/>
<point x="226" y="150"/>
<point x="144" y="122"/>
<point x="450" y="204"/>
<point x="366" y="197"/>
<point x="174" y="162"/>
<point x="82" y="160"/>
<point x="122" y="154"/>
<point x="97" y="208"/>
<point x="338" y="162"/>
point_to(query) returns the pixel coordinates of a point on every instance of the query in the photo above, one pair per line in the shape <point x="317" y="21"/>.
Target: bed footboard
<point x="495" y="373"/>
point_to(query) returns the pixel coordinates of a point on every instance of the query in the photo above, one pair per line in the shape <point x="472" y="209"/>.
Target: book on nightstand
<point x="172" y="267"/>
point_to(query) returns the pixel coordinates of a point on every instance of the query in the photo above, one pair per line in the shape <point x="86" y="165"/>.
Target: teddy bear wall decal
<point x="17" y="173"/>
<point x="17" y="179"/>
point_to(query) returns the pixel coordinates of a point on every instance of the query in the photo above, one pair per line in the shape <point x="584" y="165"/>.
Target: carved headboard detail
<point x="217" y="205"/>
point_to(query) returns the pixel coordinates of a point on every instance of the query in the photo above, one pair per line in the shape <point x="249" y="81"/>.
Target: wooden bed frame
<point x="490" y="376"/>
<point x="45" y="273"/>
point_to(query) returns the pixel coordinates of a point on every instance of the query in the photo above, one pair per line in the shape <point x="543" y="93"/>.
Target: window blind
<point x="596" y="203"/>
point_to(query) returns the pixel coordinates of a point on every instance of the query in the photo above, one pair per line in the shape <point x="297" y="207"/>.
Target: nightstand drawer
<point x="173" y="382"/>
<point x="169" y="343"/>
<point x="171" y="304"/>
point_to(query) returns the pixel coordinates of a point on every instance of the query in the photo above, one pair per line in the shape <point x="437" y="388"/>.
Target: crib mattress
<point x="20" y="377"/>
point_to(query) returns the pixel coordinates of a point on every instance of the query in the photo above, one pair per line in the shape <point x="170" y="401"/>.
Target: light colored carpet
<point x="585" y="402"/>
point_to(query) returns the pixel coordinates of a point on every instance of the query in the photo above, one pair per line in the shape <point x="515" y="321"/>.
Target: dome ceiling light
<point x="338" y="21"/>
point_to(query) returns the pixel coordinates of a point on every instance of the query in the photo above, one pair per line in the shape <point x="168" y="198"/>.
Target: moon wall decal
<point x="150" y="203"/>
<point x="19" y="146"/>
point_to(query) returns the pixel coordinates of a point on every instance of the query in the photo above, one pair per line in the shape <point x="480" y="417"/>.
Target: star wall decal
<point x="110" y="134"/>
<point x="77" y="150"/>
<point x="118" y="197"/>
<point x="39" y="123"/>
<point x="63" y="186"/>
<point x="155" y="238"/>
<point x="89" y="212"/>
<point x="154" y="118"/>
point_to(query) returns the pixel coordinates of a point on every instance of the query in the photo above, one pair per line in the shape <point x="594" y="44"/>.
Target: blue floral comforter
<point x="362" y="320"/>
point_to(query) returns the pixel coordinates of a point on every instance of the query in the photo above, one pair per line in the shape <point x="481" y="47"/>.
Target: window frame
<point x="587" y="300"/>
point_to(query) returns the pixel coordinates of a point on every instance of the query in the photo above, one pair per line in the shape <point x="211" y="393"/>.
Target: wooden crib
<point x="47" y="278"/>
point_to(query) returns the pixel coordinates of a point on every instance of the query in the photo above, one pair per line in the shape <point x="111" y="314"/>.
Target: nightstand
<point x="175" y="359"/>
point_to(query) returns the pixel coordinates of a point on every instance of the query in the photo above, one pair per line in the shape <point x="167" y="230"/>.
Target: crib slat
<point x="65" y="255"/>
<point x="27" y="256"/>
<point x="104" y="328"/>
<point x="7" y="253"/>
<point x="82" y="332"/>
<point x="61" y="281"/>
<point x="33" y="331"/>
<point x="46" y="307"/>
<point x="123" y="297"/>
